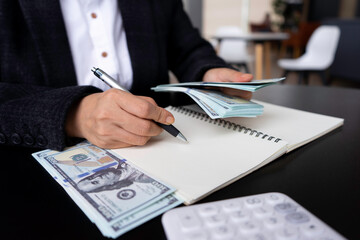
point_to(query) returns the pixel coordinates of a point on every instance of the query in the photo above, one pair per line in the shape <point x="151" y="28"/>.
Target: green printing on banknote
<point x="215" y="103"/>
<point x="113" y="194"/>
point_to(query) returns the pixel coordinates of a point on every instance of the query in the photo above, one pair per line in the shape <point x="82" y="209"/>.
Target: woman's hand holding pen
<point x="229" y="75"/>
<point x="116" y="119"/>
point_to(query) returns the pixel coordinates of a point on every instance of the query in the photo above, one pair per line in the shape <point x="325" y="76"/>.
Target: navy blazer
<point x="37" y="76"/>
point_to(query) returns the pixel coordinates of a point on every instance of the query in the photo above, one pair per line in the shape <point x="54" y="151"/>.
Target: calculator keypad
<point x="260" y="217"/>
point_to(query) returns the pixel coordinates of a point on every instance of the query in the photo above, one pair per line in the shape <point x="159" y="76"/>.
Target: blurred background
<point x="319" y="42"/>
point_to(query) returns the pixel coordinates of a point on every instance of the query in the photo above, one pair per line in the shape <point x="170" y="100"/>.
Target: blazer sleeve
<point x="190" y="56"/>
<point x="34" y="116"/>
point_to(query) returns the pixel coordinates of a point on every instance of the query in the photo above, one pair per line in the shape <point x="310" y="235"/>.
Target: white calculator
<point x="261" y="217"/>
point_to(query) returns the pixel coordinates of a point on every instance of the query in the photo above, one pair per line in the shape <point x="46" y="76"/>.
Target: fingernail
<point x="170" y="120"/>
<point x="248" y="75"/>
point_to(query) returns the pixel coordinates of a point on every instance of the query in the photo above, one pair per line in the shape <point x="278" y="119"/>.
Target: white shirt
<point x="97" y="39"/>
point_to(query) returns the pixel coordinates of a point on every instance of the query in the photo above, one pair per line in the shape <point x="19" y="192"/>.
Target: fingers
<point x="226" y="75"/>
<point x="115" y="119"/>
<point x="136" y="125"/>
<point x="230" y="75"/>
<point x="118" y="138"/>
<point x="143" y="107"/>
<point x="149" y="99"/>
<point x="241" y="77"/>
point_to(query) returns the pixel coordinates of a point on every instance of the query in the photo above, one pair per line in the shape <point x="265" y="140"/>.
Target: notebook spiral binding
<point x="225" y="124"/>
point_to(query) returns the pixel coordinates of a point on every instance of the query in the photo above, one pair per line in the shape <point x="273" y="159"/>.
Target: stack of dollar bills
<point x="112" y="193"/>
<point x="217" y="104"/>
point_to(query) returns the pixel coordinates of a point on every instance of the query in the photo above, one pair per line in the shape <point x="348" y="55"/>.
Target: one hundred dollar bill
<point x="113" y="194"/>
<point x="230" y="105"/>
<point x="251" y="86"/>
<point x="125" y="224"/>
<point x="219" y="105"/>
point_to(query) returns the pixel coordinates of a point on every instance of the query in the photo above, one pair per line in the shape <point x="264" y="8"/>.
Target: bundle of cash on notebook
<point x="112" y="193"/>
<point x="217" y="104"/>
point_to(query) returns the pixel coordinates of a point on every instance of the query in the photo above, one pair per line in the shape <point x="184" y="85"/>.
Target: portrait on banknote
<point x="112" y="178"/>
<point x="114" y="194"/>
<point x="106" y="183"/>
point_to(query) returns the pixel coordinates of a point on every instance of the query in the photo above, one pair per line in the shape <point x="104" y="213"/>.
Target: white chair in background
<point x="233" y="51"/>
<point x="319" y="54"/>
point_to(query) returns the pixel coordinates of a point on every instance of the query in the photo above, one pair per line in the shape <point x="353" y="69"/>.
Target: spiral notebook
<point x="222" y="151"/>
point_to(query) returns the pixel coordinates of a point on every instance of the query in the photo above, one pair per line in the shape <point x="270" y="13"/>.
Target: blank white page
<point x="214" y="156"/>
<point x="294" y="126"/>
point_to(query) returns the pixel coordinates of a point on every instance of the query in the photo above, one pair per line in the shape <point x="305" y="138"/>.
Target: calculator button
<point x="273" y="223"/>
<point x="189" y="221"/>
<point x="263" y="212"/>
<point x="311" y="230"/>
<point x="231" y="206"/>
<point x="249" y="227"/>
<point x="272" y="216"/>
<point x="240" y="216"/>
<point x="274" y="198"/>
<point x="285" y="208"/>
<point x="325" y="237"/>
<point x="253" y="202"/>
<point x="223" y="232"/>
<point x="215" y="220"/>
<point x="208" y="210"/>
<point x="297" y="217"/>
<point x="287" y="233"/>
<point x="197" y="235"/>
<point x="260" y="236"/>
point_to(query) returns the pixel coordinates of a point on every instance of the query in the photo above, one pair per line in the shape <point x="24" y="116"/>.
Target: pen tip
<point x="93" y="69"/>
<point x="182" y="137"/>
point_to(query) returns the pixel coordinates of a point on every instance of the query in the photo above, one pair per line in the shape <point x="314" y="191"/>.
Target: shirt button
<point x="15" y="138"/>
<point x="93" y="15"/>
<point x="104" y="54"/>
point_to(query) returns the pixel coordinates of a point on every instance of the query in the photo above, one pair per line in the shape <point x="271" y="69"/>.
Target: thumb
<point x="230" y="75"/>
<point x="161" y="115"/>
<point x="226" y="75"/>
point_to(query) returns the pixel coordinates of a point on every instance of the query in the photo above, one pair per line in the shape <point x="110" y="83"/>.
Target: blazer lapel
<point x="142" y="43"/>
<point x="45" y="22"/>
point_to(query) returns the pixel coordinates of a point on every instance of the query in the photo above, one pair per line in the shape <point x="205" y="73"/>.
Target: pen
<point x="108" y="80"/>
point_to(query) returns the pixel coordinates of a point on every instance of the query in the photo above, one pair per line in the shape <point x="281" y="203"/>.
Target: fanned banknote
<point x="112" y="193"/>
<point x="219" y="105"/>
<point x="251" y="86"/>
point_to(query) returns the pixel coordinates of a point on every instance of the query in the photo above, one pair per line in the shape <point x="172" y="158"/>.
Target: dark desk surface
<point x="323" y="176"/>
